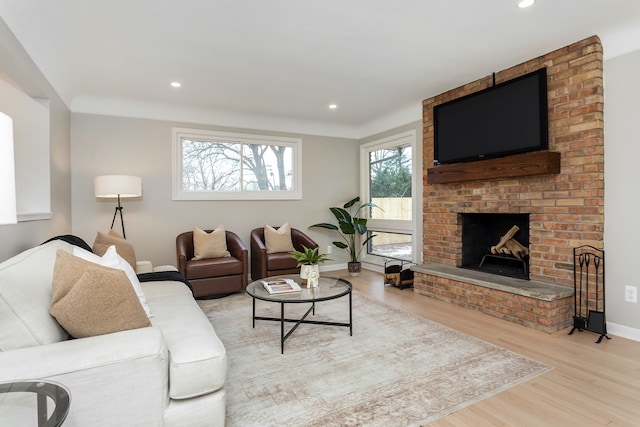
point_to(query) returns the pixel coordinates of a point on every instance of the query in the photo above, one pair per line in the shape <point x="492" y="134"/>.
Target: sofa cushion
<point x="100" y="302"/>
<point x="124" y="248"/>
<point x="25" y="295"/>
<point x="197" y="357"/>
<point x="278" y="240"/>
<point x="210" y="245"/>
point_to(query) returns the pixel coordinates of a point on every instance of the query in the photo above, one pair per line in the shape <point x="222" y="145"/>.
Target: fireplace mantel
<point x="514" y="166"/>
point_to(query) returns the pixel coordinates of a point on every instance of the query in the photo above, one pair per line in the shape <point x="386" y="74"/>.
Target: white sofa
<point x="169" y="374"/>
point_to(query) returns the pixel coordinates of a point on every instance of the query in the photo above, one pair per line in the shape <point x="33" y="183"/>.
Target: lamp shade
<point x="7" y="172"/>
<point x="112" y="186"/>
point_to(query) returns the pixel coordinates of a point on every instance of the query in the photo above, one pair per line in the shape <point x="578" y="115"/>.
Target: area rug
<point x="397" y="369"/>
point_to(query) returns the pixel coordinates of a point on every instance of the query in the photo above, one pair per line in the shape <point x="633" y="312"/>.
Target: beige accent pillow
<point x="210" y="245"/>
<point x="113" y="260"/>
<point x="89" y="299"/>
<point x="278" y="240"/>
<point x="123" y="248"/>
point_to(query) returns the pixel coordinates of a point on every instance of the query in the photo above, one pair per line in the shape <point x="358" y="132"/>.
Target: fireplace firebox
<point x="482" y="231"/>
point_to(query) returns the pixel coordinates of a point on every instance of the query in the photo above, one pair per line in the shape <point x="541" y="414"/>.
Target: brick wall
<point x="566" y="209"/>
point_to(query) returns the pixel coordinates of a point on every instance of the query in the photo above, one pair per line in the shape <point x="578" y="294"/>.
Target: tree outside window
<point x="209" y="166"/>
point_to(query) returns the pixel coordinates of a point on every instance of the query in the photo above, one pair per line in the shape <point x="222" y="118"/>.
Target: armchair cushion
<point x="213" y="267"/>
<point x="281" y="261"/>
<point x="210" y="245"/>
<point x="278" y="240"/>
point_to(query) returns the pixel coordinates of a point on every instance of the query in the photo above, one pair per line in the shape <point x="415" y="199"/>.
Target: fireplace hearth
<point x="483" y="231"/>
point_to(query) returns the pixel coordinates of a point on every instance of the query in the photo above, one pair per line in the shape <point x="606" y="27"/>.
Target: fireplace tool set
<point x="589" y="304"/>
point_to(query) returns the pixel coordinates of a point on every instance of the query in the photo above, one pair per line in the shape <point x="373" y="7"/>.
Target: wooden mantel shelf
<point x="517" y="165"/>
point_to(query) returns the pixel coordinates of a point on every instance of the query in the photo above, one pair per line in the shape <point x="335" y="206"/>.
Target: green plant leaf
<point x="309" y="256"/>
<point x="351" y="202"/>
<point x="349" y="224"/>
<point x="368" y="238"/>
<point x="347" y="228"/>
<point x="325" y="225"/>
<point x="341" y="214"/>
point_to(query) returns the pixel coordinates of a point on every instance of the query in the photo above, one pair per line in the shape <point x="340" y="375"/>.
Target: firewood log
<point x="504" y="239"/>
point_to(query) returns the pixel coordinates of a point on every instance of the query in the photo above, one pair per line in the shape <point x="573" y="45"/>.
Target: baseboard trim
<point x="333" y="267"/>
<point x="623" y="331"/>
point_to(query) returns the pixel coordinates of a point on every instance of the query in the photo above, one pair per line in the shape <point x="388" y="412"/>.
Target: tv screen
<point x="508" y="118"/>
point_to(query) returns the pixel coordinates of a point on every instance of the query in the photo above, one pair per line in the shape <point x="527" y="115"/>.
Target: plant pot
<point x="354" y="268"/>
<point x="305" y="271"/>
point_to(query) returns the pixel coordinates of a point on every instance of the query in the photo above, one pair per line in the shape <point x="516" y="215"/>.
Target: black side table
<point x="43" y="389"/>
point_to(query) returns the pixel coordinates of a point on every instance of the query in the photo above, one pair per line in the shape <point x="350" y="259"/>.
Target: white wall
<point x="622" y="193"/>
<point x="17" y="69"/>
<point x="115" y="145"/>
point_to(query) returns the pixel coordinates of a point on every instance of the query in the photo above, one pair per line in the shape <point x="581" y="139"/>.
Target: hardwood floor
<point x="591" y="384"/>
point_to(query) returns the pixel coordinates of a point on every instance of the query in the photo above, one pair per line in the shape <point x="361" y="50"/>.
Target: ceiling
<point x="259" y="64"/>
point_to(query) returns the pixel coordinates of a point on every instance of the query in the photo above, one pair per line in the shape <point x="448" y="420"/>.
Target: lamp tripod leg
<point x="113" y="221"/>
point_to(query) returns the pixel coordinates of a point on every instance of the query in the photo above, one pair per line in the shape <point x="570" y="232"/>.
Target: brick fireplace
<point x="564" y="202"/>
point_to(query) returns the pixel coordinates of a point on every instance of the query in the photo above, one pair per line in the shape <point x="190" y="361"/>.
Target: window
<point x="389" y="183"/>
<point x="211" y="165"/>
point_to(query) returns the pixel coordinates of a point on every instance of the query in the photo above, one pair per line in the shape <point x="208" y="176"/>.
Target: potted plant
<point x="308" y="260"/>
<point x="350" y="227"/>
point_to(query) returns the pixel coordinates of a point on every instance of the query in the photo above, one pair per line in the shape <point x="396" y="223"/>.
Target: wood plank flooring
<point x="591" y="384"/>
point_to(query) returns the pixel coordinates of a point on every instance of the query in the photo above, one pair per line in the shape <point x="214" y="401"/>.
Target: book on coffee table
<point x="280" y="286"/>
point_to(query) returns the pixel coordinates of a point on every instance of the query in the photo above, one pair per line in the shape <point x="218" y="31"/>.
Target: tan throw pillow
<point x="278" y="240"/>
<point x="210" y="245"/>
<point x="89" y="299"/>
<point x="123" y="248"/>
<point x="113" y="260"/>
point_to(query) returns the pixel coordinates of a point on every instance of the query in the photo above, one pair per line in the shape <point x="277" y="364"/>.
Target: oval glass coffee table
<point x="44" y="390"/>
<point x="328" y="288"/>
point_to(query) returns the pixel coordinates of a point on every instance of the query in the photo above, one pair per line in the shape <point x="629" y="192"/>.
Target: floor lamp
<point x="117" y="186"/>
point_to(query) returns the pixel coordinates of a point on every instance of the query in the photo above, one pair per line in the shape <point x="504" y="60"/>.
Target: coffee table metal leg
<point x="254" y="313"/>
<point x="281" y="328"/>
<point x="350" y="317"/>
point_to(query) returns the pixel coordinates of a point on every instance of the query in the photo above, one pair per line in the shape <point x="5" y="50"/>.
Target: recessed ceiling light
<point x="525" y="3"/>
<point x="176" y="84"/>
<point x="333" y="106"/>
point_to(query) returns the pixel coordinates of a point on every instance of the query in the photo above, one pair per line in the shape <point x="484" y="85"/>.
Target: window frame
<point x="393" y="225"/>
<point x="240" y="138"/>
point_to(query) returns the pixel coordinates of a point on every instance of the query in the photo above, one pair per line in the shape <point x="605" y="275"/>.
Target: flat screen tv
<point x="504" y="119"/>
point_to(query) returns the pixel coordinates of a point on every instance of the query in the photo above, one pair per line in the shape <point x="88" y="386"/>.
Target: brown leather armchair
<point x="264" y="264"/>
<point x="214" y="276"/>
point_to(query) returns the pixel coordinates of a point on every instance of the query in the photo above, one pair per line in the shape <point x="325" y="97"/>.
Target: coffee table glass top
<point x="328" y="288"/>
<point x="44" y="391"/>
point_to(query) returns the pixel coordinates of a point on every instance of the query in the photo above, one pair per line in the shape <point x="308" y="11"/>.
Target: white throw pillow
<point x="113" y="260"/>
